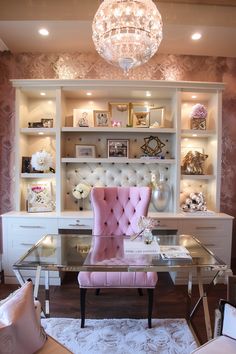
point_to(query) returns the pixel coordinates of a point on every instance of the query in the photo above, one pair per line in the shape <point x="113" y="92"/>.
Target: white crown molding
<point x="3" y="46"/>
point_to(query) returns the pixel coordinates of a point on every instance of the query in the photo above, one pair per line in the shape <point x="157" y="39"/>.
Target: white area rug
<point x="122" y="336"/>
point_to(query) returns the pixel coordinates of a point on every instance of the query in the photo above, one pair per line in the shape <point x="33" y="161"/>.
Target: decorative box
<point x="198" y="123"/>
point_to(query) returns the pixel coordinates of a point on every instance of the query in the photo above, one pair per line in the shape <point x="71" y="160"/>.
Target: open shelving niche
<point x="63" y="96"/>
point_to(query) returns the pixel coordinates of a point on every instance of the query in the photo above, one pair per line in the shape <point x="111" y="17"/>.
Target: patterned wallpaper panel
<point x="91" y="66"/>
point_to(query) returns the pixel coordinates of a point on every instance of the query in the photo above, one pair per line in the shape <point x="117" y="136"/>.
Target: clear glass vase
<point x="147" y="236"/>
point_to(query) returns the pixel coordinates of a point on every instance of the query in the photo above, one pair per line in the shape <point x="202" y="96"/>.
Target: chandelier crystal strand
<point x="127" y="33"/>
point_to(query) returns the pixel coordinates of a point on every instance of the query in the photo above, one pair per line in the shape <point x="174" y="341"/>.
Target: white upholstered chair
<point x="226" y="341"/>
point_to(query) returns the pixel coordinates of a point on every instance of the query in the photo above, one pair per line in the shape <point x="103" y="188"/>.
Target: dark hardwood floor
<point x="169" y="301"/>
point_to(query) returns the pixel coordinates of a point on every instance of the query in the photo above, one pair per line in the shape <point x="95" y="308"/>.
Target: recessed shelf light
<point x="148" y="94"/>
<point x="194" y="135"/>
<point x="40" y="133"/>
<point x="196" y="36"/>
<point x="89" y="93"/>
<point x="42" y="94"/>
<point x="194" y="96"/>
<point x="43" y="32"/>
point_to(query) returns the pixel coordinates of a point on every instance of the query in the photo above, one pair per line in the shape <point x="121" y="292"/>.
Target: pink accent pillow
<point x="20" y="331"/>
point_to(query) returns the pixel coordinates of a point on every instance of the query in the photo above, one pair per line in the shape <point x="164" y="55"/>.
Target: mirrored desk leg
<point x="19" y="276"/>
<point x="190" y="285"/>
<point x="36" y="283"/>
<point x="46" y="280"/>
<point x="203" y="296"/>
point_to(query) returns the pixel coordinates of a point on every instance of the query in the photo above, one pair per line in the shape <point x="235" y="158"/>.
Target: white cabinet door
<point x="20" y="234"/>
<point x="215" y="233"/>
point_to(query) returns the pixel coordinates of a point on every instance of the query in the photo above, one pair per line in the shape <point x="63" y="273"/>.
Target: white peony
<point x="81" y="191"/>
<point x="41" y="161"/>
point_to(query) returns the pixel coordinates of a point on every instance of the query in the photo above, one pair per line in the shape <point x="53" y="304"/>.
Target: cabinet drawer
<point x="75" y="223"/>
<point x="167" y="224"/>
<point x="32" y="225"/>
<point x="207" y="227"/>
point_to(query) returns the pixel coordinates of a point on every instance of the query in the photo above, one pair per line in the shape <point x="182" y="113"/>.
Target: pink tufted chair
<point x="116" y="212"/>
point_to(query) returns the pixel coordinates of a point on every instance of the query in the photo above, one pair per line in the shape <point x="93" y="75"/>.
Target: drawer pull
<point x="27" y="244"/>
<point x="78" y="224"/>
<point x="205" y="228"/>
<point x="31" y="227"/>
<point x="209" y="244"/>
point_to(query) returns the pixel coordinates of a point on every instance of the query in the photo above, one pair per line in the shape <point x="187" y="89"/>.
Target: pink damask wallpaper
<point x="91" y="66"/>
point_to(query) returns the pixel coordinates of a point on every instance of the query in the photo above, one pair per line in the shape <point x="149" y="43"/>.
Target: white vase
<point x="161" y="193"/>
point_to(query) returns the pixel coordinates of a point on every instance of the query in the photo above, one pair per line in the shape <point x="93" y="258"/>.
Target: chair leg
<point x="82" y="305"/>
<point x="150" y="305"/>
<point x="97" y="292"/>
<point x="140" y="292"/>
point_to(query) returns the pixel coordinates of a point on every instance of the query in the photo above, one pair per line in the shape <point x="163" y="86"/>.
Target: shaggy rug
<point x="122" y="336"/>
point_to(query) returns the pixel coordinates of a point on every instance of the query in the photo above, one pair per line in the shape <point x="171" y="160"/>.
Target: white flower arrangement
<point x="41" y="161"/>
<point x="81" y="191"/>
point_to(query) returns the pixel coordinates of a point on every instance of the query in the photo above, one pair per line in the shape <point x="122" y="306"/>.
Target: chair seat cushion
<point x="218" y="345"/>
<point x="117" y="279"/>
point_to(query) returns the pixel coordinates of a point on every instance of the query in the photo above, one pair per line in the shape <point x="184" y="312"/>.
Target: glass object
<point x="127" y="33"/>
<point x="147" y="236"/>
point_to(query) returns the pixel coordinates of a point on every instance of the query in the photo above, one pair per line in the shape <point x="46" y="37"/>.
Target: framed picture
<point x="47" y="122"/>
<point x="140" y="119"/>
<point x="26" y="165"/>
<point x="82" y="117"/>
<point x="157" y="117"/>
<point x="39" y="197"/>
<point x="85" y="151"/>
<point x="118" y="148"/>
<point x="101" y="118"/>
<point x="120" y="112"/>
<point x="35" y="125"/>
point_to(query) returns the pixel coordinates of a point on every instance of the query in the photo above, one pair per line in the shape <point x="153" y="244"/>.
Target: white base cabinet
<point x="21" y="230"/>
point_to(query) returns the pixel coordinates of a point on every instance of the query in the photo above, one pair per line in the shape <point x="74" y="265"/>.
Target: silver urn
<point x="161" y="193"/>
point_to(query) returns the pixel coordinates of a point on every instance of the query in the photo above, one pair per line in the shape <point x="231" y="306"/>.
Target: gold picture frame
<point x="157" y="117"/>
<point x="139" y="114"/>
<point x="120" y="111"/>
<point x="140" y="119"/>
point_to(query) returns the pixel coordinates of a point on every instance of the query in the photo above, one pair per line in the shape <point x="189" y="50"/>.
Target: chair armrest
<point x="217" y="324"/>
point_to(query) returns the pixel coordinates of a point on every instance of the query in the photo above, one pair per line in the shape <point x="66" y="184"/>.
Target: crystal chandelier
<point x="127" y="33"/>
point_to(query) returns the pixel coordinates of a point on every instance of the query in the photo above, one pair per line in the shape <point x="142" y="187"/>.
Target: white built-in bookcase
<point x="62" y="96"/>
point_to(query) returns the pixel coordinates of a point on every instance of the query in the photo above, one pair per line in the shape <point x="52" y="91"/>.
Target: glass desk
<point x="70" y="252"/>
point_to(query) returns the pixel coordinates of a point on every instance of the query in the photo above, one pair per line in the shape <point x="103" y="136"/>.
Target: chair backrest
<point x="118" y="209"/>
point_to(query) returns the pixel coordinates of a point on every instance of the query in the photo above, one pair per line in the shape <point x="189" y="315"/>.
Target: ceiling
<point x="70" y="22"/>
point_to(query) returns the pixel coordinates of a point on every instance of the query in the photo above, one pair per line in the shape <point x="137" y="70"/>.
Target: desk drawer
<point x="208" y="227"/>
<point x="32" y="225"/>
<point x="167" y="224"/>
<point x="75" y="223"/>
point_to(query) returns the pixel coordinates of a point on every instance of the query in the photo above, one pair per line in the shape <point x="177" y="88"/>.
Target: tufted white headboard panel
<point x="110" y="174"/>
